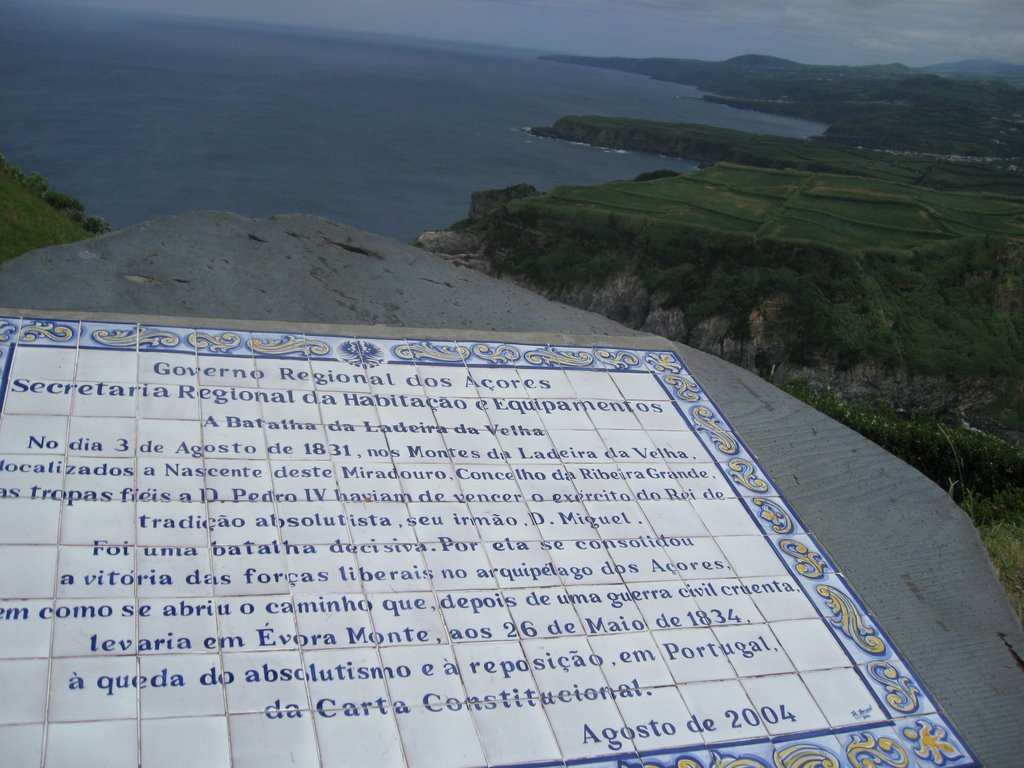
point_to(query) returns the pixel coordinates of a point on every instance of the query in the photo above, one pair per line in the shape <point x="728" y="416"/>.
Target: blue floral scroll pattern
<point x="288" y="345"/>
<point x="554" y="357"/>
<point x="431" y="351"/>
<point x="685" y="388"/>
<point x="9" y="328"/>
<point x="217" y="342"/>
<point x="707" y="421"/>
<point x="496" y="354"/>
<point x="137" y="337"/>
<point x="744" y="472"/>
<point x="775" y="515"/>
<point x="864" y="750"/>
<point x="47" y="332"/>
<point x="901" y="692"/>
<point x="847" y="619"/>
<point x="798" y="755"/>
<point x="809" y="563"/>
<point x="618" y="359"/>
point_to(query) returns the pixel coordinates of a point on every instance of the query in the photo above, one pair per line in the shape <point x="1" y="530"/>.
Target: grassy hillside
<point x="710" y="144"/>
<point x="880" y="106"/>
<point x="847" y="270"/>
<point x="33" y="216"/>
<point x="841" y="212"/>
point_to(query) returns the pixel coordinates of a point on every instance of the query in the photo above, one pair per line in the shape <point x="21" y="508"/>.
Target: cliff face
<point x="621" y="136"/>
<point x="625" y="299"/>
<point x="763" y="346"/>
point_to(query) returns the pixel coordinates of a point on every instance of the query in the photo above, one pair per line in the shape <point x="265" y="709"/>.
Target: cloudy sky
<point x="914" y="32"/>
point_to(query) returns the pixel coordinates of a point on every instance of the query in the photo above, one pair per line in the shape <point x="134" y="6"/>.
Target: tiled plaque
<point x="260" y="549"/>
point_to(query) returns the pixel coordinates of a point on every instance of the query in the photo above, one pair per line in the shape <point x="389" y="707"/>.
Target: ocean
<point x="139" y="116"/>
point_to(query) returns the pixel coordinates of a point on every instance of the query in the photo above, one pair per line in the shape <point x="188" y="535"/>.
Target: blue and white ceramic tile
<point x="842" y="697"/>
<point x="211" y="344"/>
<point x="292" y="739"/>
<point x="115" y="740"/>
<point x="340" y="736"/>
<point x="773" y="515"/>
<point x="109" y="336"/>
<point x="9" y="330"/>
<point x="24" y="692"/>
<point x="49" y="333"/>
<point x="897" y="687"/>
<point x="23" y="744"/>
<point x="228" y="547"/>
<point x="171" y="742"/>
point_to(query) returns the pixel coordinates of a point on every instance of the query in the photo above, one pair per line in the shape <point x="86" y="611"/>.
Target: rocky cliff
<point x="762" y="347"/>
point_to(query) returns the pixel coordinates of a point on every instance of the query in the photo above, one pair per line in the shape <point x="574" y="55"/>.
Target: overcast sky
<point x="913" y="32"/>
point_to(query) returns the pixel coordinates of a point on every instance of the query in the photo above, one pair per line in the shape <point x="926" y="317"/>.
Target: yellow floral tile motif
<point x="846" y="618"/>
<point x="663" y="362"/>
<point x="498" y="353"/>
<point x="556" y="357"/>
<point x="684" y="388"/>
<point x="745" y="473"/>
<point x="208" y="342"/>
<point x="809" y="563"/>
<point x="288" y="345"/>
<point x="775" y="515"/>
<point x="902" y="693"/>
<point x="442" y="353"/>
<point x="723" y="440"/>
<point x="931" y="743"/>
<point x="142" y="337"/>
<point x="865" y="751"/>
<point x="620" y="359"/>
<point x="46" y="330"/>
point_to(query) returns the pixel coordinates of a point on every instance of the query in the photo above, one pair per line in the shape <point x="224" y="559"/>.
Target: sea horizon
<point x="139" y="116"/>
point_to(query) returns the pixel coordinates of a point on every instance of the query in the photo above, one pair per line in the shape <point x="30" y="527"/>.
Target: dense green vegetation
<point x="843" y="270"/>
<point x="33" y="216"/>
<point x="710" y="144"/>
<point x="880" y="106"/>
<point x="983" y="473"/>
<point x="895" y="238"/>
<point x="837" y="211"/>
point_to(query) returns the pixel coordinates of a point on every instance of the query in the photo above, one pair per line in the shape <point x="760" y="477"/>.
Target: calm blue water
<point x="139" y="117"/>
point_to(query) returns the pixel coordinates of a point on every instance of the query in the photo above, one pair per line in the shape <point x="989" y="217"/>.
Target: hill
<point x="979" y="69"/>
<point x="887" y="106"/>
<point x="33" y="216"/>
<point x="711" y="144"/>
<point x="877" y="288"/>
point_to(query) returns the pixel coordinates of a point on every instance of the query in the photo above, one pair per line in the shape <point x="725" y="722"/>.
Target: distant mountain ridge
<point x="979" y="69"/>
<point x="879" y="106"/>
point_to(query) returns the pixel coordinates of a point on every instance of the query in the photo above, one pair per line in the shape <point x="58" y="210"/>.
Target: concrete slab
<point x="912" y="554"/>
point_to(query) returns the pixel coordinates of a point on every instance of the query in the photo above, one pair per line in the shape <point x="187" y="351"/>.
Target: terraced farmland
<point x="845" y="212"/>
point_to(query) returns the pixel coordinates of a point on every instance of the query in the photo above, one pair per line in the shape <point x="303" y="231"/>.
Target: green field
<point x="711" y="145"/>
<point x="837" y="270"/>
<point x="844" y="212"/>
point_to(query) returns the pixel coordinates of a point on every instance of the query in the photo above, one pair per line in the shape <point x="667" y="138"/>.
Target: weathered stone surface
<point x="912" y="554"/>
